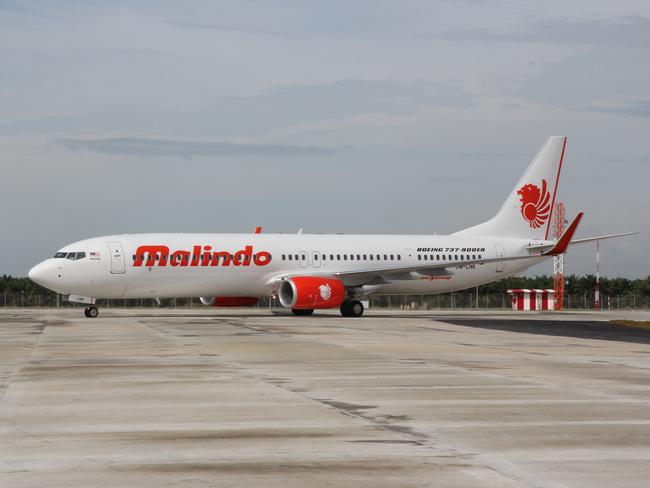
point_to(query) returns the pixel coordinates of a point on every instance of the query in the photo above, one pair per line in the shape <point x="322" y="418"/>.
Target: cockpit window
<point x="72" y="256"/>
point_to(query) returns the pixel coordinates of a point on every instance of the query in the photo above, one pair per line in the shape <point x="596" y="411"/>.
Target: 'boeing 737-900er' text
<point x="308" y="272"/>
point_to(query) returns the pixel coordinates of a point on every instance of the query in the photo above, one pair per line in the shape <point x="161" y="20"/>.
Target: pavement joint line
<point x="591" y="439"/>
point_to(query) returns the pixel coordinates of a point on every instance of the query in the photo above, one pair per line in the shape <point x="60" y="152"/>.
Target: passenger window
<point x="284" y="257"/>
<point x="345" y="257"/>
<point x="419" y="258"/>
<point x="372" y="257"/>
<point x="338" y="257"/>
<point x="456" y="257"/>
<point x="378" y="257"/>
<point x="473" y="256"/>
<point x="315" y="256"/>
<point x="437" y="257"/>
<point x="290" y="257"/>
<point x="392" y="257"/>
<point x="399" y="257"/>
<point x="426" y="257"/>
<point x="461" y="257"/>
<point x="444" y="257"/>
<point x="351" y="257"/>
<point x="331" y="257"/>
<point x="324" y="257"/>
<point x="364" y="257"/>
<point x="479" y="256"/>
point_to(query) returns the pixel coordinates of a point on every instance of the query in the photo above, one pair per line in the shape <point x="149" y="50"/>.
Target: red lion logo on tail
<point x="535" y="204"/>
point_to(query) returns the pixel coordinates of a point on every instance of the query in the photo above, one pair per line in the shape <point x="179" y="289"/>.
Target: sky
<point x="372" y="116"/>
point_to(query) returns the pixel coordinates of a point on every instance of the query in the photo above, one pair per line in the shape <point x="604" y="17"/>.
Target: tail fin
<point x="527" y="212"/>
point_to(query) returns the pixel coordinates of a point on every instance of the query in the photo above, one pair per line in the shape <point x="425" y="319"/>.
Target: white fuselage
<point x="116" y="266"/>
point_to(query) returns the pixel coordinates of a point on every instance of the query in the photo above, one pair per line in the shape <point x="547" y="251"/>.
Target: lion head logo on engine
<point x="535" y="204"/>
<point x="325" y="291"/>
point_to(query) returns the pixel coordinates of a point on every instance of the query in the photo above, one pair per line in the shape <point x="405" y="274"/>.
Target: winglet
<point x="563" y="242"/>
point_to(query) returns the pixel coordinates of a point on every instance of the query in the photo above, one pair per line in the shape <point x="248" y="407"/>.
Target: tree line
<point x="575" y="285"/>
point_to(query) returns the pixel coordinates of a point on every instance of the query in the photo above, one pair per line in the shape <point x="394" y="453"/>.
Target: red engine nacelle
<point x="229" y="301"/>
<point x="308" y="292"/>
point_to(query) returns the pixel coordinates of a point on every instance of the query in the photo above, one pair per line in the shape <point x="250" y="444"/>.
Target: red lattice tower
<point x="558" y="261"/>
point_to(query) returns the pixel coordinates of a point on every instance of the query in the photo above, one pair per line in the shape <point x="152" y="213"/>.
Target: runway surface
<point x="250" y="398"/>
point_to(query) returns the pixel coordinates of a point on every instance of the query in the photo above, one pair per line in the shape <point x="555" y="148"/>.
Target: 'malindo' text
<point x="199" y="256"/>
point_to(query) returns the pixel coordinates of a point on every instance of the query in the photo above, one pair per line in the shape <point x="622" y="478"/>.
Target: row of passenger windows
<point x="344" y="257"/>
<point x="324" y="257"/>
<point x="72" y="256"/>
<point x="449" y="257"/>
<point x="382" y="257"/>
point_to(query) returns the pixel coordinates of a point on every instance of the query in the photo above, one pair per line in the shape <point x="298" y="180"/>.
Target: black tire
<point x="92" y="312"/>
<point x="86" y="312"/>
<point x="352" y="308"/>
<point x="302" y="312"/>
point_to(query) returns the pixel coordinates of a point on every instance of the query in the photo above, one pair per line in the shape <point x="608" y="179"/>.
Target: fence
<point x="456" y="300"/>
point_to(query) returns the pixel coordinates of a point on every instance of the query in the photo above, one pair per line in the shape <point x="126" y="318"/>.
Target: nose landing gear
<point x="91" y="312"/>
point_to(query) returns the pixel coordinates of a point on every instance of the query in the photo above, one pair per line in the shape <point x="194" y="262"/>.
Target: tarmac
<point x="248" y="398"/>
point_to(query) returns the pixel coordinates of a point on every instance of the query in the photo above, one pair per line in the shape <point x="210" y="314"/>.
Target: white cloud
<point x="370" y="105"/>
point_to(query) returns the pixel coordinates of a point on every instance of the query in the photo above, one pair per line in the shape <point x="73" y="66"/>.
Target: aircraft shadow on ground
<point x="563" y="328"/>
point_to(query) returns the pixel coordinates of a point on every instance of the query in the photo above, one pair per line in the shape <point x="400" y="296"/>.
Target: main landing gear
<point x="91" y="312"/>
<point x="352" y="308"/>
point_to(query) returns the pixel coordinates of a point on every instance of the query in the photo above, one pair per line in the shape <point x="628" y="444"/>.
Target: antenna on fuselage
<point x="300" y="231"/>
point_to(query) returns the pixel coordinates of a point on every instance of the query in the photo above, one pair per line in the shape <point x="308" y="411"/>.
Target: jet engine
<point x="310" y="292"/>
<point x="229" y="301"/>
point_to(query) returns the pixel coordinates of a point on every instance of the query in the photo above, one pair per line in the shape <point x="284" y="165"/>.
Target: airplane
<point x="308" y="272"/>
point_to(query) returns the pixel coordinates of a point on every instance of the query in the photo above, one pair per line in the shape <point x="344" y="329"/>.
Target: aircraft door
<point x="408" y="253"/>
<point x="118" y="264"/>
<point x="500" y="254"/>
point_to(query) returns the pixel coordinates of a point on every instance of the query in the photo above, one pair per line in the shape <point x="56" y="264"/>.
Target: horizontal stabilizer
<point x="546" y="247"/>
<point x="602" y="238"/>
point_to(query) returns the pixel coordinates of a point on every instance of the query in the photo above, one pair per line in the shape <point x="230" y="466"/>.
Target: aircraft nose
<point x="42" y="274"/>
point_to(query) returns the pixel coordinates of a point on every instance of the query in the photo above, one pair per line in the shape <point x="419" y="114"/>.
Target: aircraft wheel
<point x="352" y="308"/>
<point x="91" y="312"/>
<point x="302" y="312"/>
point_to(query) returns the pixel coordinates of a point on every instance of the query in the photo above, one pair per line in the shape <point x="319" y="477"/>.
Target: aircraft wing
<point x="381" y="275"/>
